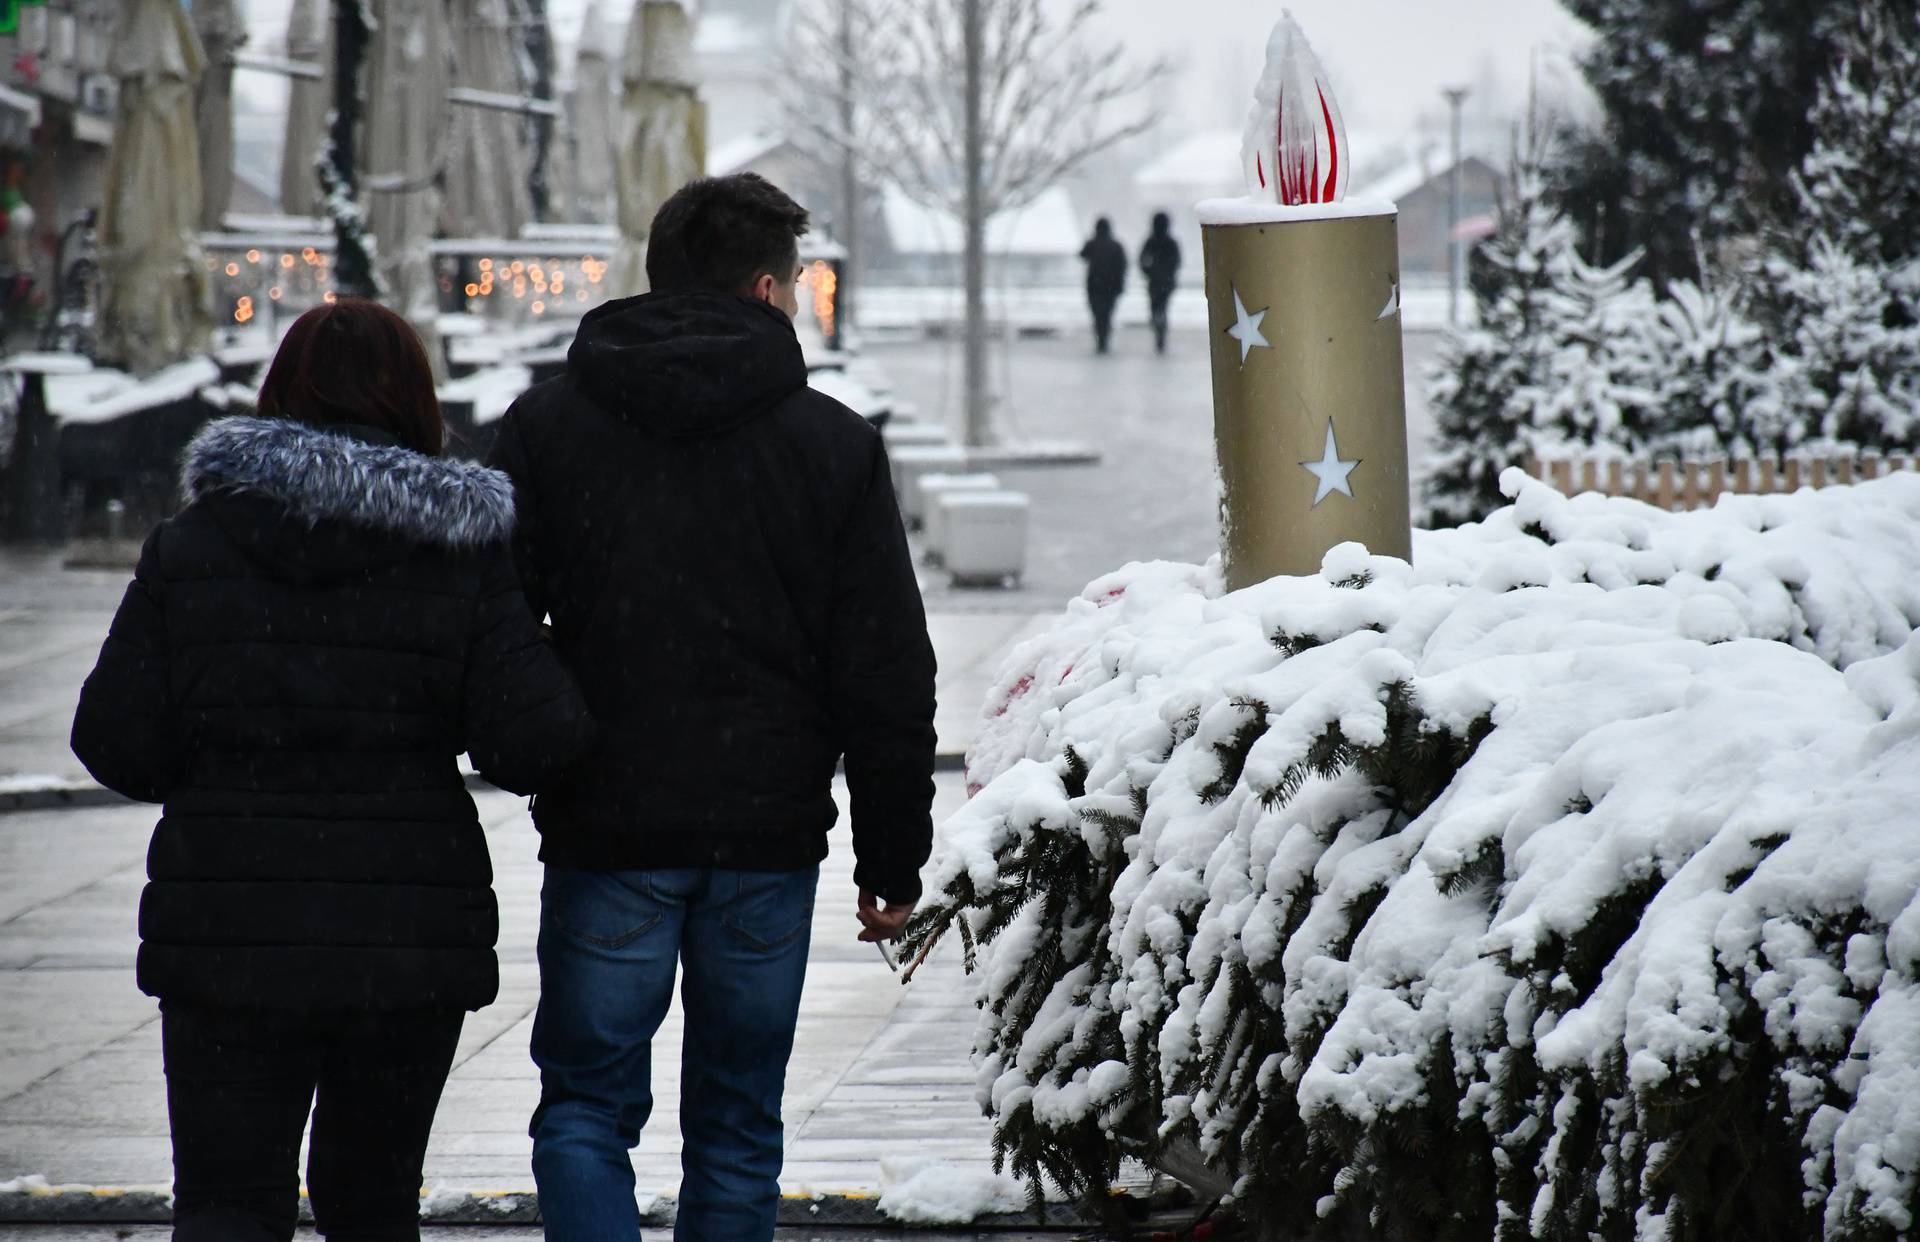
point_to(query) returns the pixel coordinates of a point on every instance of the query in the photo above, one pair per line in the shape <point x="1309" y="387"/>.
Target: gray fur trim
<point x="322" y="475"/>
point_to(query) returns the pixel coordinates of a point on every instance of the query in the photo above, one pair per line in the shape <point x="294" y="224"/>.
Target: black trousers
<point x="1102" y="309"/>
<point x="1157" y="300"/>
<point x="239" y="1087"/>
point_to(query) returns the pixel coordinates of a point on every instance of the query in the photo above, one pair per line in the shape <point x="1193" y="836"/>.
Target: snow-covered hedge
<point x="1561" y="884"/>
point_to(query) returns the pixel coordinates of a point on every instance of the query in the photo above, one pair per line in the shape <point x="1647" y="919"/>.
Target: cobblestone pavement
<point x="1152" y="497"/>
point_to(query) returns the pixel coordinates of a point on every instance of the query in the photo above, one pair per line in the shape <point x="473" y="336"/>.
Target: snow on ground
<point x="915" y="1190"/>
<point x="101" y="395"/>
<point x="491" y="389"/>
<point x="1677" y="755"/>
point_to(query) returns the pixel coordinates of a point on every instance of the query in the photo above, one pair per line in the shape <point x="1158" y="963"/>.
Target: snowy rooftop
<point x="736" y="153"/>
<point x="1050" y="226"/>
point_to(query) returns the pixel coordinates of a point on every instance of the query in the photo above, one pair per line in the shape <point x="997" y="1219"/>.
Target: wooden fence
<point x="1695" y="484"/>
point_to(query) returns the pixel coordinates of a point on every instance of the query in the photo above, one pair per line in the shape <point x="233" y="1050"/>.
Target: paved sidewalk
<point x="878" y="1069"/>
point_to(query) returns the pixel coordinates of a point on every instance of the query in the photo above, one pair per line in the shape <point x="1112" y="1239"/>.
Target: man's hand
<point x="878" y="922"/>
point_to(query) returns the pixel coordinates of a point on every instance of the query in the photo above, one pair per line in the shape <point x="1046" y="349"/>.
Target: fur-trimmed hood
<point x="321" y="474"/>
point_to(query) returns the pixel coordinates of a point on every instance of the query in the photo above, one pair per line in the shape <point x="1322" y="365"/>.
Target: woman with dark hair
<point x="303" y="654"/>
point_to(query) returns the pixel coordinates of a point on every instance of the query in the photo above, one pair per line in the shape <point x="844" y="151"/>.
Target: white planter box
<point x="913" y="462"/>
<point x="901" y="433"/>
<point x="986" y="537"/>
<point x="933" y="516"/>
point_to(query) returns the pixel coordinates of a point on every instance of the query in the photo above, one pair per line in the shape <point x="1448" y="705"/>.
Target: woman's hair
<point x="355" y="361"/>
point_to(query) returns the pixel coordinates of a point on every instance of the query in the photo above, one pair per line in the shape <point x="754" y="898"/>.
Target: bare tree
<point x="1017" y="87"/>
<point x="831" y="98"/>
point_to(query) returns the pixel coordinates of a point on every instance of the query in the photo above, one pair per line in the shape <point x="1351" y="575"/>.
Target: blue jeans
<point x="609" y="945"/>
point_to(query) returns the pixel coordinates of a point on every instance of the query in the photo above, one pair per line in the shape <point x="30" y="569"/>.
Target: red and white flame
<point x="1295" y="147"/>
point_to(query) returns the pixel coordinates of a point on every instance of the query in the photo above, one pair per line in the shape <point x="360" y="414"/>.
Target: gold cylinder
<point x="1309" y="393"/>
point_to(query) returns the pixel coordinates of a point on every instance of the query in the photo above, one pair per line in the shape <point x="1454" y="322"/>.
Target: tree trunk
<point x="974" y="371"/>
<point x="849" y="173"/>
<point x="353" y="275"/>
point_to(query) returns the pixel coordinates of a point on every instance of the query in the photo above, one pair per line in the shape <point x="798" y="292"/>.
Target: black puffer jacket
<point x="303" y="654"/>
<point x="723" y="559"/>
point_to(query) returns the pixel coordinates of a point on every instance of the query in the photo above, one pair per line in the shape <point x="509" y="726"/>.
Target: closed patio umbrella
<point x="308" y="101"/>
<point x="406" y="144"/>
<point x="221" y="34"/>
<point x="590" y="116"/>
<point x="487" y="155"/>
<point x="154" y="298"/>
<point x="661" y="143"/>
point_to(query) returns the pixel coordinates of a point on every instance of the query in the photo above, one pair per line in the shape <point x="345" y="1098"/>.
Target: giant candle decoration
<point x="1303" y="297"/>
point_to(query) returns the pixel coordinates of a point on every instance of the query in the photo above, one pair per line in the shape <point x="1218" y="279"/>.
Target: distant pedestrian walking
<point x="1106" y="262"/>
<point x="304" y="652"/>
<point x="1160" y="264"/>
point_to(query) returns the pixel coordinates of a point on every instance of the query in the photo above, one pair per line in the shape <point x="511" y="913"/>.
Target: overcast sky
<point x="1389" y="59"/>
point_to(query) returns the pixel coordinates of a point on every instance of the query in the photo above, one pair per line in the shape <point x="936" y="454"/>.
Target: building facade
<point x="56" y="123"/>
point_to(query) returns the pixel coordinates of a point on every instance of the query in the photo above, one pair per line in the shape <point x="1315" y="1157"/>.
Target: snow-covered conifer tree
<point x="1716" y="392"/>
<point x="1851" y="370"/>
<point x="1602" y="381"/>
<point x="1476" y="385"/>
<point x="1859" y="186"/>
<point x="1704" y="107"/>
<point x="1843" y="283"/>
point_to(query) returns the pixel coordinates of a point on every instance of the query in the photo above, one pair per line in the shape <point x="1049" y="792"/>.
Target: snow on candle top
<point x="1295" y="147"/>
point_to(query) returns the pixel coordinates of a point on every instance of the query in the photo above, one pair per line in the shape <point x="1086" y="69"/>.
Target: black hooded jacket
<point x="1160" y="264"/>
<point x="303" y="654"/>
<point x="1106" y="261"/>
<point x="723" y="560"/>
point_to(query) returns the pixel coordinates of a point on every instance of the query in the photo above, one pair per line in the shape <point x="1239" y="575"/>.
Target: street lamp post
<point x="1456" y="95"/>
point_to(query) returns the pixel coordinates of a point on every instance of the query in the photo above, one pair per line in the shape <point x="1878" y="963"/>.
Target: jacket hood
<point x="345" y="476"/>
<point x="687" y="365"/>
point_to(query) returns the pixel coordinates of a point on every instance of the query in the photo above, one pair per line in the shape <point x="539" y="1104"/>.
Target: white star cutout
<point x="1392" y="307"/>
<point x="1330" y="470"/>
<point x="1246" y="328"/>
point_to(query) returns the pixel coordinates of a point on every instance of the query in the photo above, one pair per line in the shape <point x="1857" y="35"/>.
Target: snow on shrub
<point x="1560" y="884"/>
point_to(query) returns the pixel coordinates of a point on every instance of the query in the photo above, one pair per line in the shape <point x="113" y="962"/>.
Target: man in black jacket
<point x="1106" y="262"/>
<point x="723" y="561"/>
<point x="1160" y="264"/>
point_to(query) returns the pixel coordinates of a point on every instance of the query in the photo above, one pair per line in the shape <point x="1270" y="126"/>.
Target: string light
<point x="825" y="281"/>
<point x="297" y="277"/>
